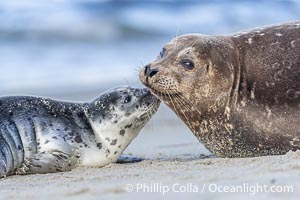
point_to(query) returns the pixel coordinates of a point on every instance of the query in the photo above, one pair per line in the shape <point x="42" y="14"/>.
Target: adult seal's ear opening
<point x="239" y="94"/>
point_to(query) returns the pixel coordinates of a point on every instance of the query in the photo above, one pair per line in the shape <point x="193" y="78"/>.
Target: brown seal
<point x="239" y="94"/>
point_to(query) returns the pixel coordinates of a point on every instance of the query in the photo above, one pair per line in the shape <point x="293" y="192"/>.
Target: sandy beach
<point x="175" y="166"/>
<point x="74" y="50"/>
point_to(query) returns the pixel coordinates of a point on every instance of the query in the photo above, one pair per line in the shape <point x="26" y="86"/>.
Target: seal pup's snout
<point x="135" y="97"/>
<point x="146" y="91"/>
<point x="146" y="94"/>
<point x="147" y="100"/>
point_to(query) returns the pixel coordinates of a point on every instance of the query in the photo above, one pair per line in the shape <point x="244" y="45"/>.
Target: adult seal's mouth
<point x="153" y="84"/>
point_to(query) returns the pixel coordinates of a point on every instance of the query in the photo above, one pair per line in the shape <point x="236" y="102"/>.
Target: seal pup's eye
<point x="127" y="99"/>
<point x="187" y="64"/>
<point x="162" y="53"/>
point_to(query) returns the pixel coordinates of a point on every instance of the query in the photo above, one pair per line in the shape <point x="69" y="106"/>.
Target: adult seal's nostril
<point x="150" y="72"/>
<point x="153" y="72"/>
<point x="147" y="70"/>
<point x="234" y="110"/>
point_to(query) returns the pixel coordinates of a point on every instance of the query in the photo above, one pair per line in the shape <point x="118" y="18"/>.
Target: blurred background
<point x="75" y="49"/>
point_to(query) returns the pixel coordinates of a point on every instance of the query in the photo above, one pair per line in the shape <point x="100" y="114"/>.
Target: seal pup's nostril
<point x="105" y="114"/>
<point x="145" y="90"/>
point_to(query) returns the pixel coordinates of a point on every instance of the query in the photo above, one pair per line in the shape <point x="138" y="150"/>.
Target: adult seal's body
<point x="41" y="135"/>
<point x="239" y="94"/>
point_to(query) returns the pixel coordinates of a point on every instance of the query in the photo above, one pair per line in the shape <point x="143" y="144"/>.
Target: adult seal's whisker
<point x="239" y="94"/>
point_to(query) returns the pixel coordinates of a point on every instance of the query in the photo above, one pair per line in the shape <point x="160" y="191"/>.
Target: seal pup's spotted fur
<point x="41" y="135"/>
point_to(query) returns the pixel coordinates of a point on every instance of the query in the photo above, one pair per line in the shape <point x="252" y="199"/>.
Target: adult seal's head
<point x="239" y="94"/>
<point x="196" y="69"/>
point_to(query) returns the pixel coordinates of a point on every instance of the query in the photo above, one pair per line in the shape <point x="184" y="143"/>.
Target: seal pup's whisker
<point x="41" y="135"/>
<point x="127" y="82"/>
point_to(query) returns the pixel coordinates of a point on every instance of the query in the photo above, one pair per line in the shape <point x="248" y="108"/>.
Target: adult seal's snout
<point x="149" y="72"/>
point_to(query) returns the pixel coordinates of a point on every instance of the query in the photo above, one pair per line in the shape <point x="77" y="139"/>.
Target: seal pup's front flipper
<point x="47" y="163"/>
<point x="123" y="159"/>
<point x="43" y="135"/>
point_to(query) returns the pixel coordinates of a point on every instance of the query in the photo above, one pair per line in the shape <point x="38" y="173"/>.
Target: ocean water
<point x="77" y="48"/>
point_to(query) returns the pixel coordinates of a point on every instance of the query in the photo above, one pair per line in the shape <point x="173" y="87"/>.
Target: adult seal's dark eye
<point x="187" y="64"/>
<point x="127" y="99"/>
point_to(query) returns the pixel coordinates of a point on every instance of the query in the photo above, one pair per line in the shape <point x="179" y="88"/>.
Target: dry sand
<point x="174" y="161"/>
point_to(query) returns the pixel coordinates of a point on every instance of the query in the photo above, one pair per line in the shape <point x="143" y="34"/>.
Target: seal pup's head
<point x="118" y="115"/>
<point x="193" y="73"/>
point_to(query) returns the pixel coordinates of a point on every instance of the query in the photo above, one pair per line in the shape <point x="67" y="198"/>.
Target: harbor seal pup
<point x="41" y="135"/>
<point x="239" y="94"/>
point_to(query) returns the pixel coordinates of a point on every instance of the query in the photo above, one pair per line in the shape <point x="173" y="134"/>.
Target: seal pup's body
<point x="239" y="94"/>
<point x="41" y="135"/>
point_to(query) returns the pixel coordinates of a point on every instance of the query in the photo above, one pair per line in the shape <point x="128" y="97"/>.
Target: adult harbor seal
<point x="239" y="94"/>
<point x="41" y="135"/>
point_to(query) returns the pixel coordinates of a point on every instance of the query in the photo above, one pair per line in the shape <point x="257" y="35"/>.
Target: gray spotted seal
<point x="41" y="135"/>
<point x="239" y="94"/>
